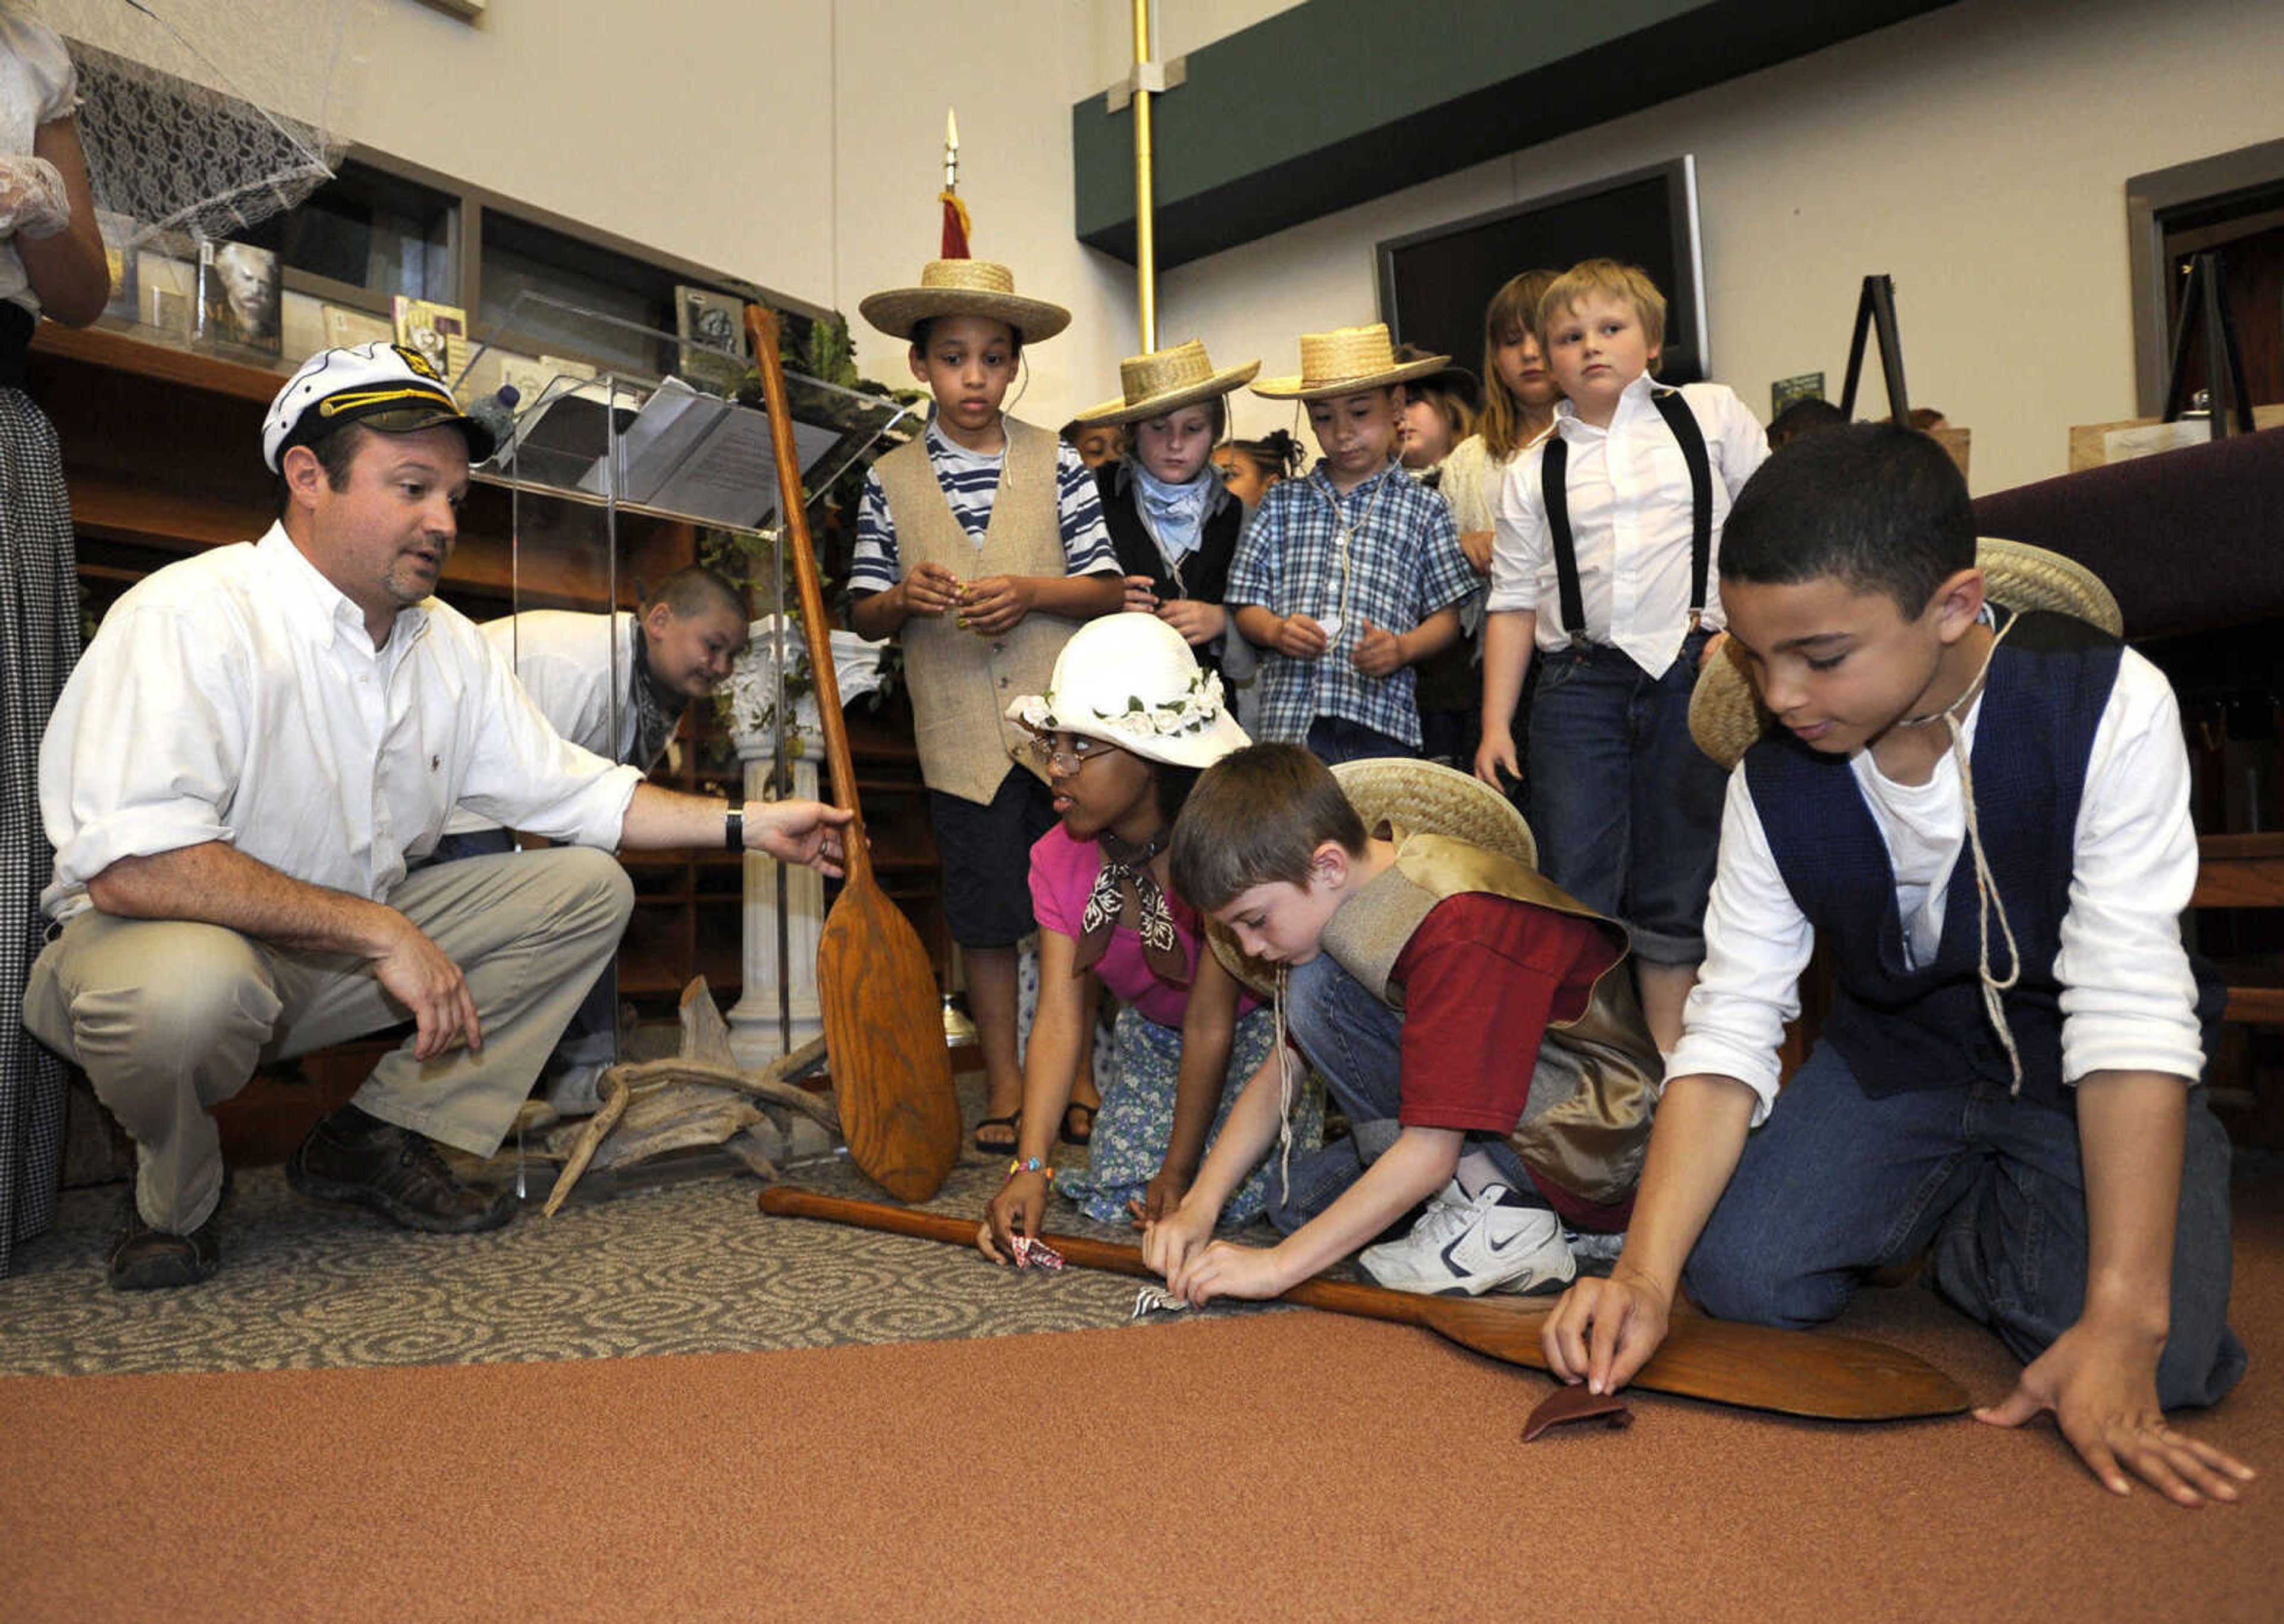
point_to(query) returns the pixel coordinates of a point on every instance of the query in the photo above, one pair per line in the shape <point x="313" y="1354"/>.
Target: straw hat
<point x="963" y="287"/>
<point x="1347" y="360"/>
<point x="1166" y="380"/>
<point x="1130" y="680"/>
<point x="1420" y="797"/>
<point x="1726" y="712"/>
<point x="1423" y="798"/>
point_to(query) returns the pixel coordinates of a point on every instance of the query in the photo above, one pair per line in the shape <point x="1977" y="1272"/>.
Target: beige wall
<point x="1978" y="154"/>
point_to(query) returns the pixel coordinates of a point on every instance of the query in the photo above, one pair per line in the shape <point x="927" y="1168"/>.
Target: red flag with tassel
<point x="956" y="225"/>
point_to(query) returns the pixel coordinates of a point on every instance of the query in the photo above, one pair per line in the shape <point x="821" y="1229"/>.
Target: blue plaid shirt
<point x="1403" y="563"/>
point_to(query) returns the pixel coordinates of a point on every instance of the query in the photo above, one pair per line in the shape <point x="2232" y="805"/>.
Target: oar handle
<point x="1333" y="1296"/>
<point x="793" y="514"/>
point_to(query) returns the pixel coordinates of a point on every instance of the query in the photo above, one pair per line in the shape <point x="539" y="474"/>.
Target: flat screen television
<point x="1436" y="285"/>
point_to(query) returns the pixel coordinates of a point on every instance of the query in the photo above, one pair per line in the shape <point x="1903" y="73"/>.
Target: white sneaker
<point x="1463" y="1249"/>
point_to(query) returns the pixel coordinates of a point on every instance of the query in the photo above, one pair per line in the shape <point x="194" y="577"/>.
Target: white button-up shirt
<point x="2128" y="999"/>
<point x="237" y="696"/>
<point x="1629" y="522"/>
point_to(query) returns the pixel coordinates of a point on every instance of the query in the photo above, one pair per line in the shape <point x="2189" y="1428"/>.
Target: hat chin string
<point x="1987" y="900"/>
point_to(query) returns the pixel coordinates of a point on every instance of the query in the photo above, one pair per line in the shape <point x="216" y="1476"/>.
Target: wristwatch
<point x="734" y="827"/>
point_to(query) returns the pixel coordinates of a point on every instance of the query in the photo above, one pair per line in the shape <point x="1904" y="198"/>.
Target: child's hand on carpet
<point x="1604" y="1330"/>
<point x="1170" y="1243"/>
<point x="2101" y="1384"/>
<point x="1020" y="1208"/>
<point x="1227" y="1269"/>
<point x="1161" y="1197"/>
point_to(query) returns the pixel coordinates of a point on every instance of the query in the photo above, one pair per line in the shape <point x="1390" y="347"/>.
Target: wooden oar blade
<point x="1790" y="1373"/>
<point x="1814" y="1374"/>
<point x="884" y="1041"/>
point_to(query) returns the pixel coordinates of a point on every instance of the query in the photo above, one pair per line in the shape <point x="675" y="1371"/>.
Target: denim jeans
<point x="1334" y="739"/>
<point x="1355" y="1043"/>
<point x="1837" y="1183"/>
<point x="1625" y="807"/>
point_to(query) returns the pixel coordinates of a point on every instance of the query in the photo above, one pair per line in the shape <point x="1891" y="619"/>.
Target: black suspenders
<point x="1554" y="481"/>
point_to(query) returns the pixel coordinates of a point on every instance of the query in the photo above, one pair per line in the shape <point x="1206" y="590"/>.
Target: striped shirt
<point x="1403" y="565"/>
<point x="970" y="481"/>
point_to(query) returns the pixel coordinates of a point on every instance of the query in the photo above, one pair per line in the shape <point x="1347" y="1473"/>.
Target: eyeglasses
<point x="1070" y="755"/>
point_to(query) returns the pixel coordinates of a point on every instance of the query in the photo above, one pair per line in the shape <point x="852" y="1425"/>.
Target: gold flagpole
<point x="1145" y="266"/>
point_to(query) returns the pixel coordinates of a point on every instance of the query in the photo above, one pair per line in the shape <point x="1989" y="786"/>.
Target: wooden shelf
<point x="153" y="362"/>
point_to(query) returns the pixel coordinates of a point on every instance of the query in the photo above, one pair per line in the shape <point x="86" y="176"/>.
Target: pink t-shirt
<point x="1062" y="873"/>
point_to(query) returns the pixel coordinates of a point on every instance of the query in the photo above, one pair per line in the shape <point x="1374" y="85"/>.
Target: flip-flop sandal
<point x="1013" y="1122"/>
<point x="1086" y="1129"/>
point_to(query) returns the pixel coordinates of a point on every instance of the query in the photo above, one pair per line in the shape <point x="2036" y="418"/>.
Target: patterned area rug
<point x="677" y="1260"/>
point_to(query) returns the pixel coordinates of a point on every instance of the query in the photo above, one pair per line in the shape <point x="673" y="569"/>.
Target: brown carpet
<point x="1281" y="1466"/>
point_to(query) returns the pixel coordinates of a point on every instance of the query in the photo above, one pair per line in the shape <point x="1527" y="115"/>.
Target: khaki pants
<point x="168" y="1018"/>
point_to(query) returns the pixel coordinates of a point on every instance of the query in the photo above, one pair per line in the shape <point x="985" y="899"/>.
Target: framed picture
<point x="437" y="332"/>
<point x="125" y="264"/>
<point x="712" y="327"/>
<point x="237" y="295"/>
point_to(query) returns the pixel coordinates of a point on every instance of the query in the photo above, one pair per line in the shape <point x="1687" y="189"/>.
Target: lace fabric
<point x="204" y="117"/>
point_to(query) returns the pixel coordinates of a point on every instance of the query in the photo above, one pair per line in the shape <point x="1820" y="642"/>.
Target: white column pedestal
<point x="756" y="1024"/>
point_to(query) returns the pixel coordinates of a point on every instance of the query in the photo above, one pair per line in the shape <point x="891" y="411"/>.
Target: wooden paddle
<point x="883" y="1021"/>
<point x="1791" y="1372"/>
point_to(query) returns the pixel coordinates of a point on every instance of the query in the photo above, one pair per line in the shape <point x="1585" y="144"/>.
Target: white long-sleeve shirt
<point x="2128" y="999"/>
<point x="1630" y="515"/>
<point x="237" y="696"/>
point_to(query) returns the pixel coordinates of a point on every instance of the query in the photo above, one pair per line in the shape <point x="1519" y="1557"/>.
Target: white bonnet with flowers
<point x="1128" y="679"/>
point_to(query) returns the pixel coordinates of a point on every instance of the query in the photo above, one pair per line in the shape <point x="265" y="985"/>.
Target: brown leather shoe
<point x="147" y="1260"/>
<point x="362" y="1161"/>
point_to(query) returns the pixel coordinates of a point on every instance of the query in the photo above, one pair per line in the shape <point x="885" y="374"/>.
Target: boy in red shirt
<point x="1460" y="1009"/>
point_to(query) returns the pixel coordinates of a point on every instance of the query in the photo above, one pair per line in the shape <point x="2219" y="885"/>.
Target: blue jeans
<point x="1625" y="807"/>
<point x="1836" y="1184"/>
<point x="1355" y="1043"/>
<point x="1334" y="739"/>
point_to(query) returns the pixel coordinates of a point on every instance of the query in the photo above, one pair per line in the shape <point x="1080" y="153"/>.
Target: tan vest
<point x="962" y="683"/>
<point x="1592" y="1089"/>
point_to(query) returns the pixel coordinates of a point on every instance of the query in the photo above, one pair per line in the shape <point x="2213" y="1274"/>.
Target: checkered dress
<point x="39" y="641"/>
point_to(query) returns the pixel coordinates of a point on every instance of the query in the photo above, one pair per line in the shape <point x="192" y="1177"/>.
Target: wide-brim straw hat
<point x="1163" y="382"/>
<point x="1347" y="361"/>
<point x="963" y="287"/>
<point x="1419" y="798"/>
<point x="1726" y="717"/>
<point x="1130" y="680"/>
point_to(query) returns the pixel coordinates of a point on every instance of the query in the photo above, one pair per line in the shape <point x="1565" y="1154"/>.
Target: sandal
<point x="1085" y="1131"/>
<point x="1013" y="1122"/>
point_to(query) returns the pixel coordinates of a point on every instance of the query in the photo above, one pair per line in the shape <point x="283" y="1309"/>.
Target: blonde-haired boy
<point x="1604" y="560"/>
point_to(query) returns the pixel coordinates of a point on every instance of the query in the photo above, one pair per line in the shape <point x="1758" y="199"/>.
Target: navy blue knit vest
<point x="1899" y="1027"/>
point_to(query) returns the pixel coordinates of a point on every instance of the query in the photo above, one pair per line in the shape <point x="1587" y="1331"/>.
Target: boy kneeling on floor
<point x="1981" y="806"/>
<point x="1460" y="1009"/>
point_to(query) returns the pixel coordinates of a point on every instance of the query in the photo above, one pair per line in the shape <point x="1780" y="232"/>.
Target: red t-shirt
<point x="1482" y="977"/>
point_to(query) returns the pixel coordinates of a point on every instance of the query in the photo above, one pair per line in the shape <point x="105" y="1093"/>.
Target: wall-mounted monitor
<point x="1436" y="285"/>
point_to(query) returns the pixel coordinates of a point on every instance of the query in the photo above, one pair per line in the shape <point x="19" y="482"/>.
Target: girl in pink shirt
<point x="1124" y="728"/>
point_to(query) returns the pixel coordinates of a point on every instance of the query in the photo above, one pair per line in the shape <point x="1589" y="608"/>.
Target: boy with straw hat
<point x="1352" y="575"/>
<point x="1173" y="522"/>
<point x="981" y="543"/>
<point x="1981" y="807"/>
<point x="1461" y="1010"/>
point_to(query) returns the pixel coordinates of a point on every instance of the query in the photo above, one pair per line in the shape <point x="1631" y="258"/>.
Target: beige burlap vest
<point x="1592" y="1091"/>
<point x="961" y="683"/>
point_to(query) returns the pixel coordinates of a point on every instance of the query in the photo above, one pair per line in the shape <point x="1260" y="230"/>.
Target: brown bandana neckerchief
<point x="1125" y="889"/>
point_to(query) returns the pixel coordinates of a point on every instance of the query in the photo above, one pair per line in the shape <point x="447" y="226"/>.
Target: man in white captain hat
<point x="258" y="745"/>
